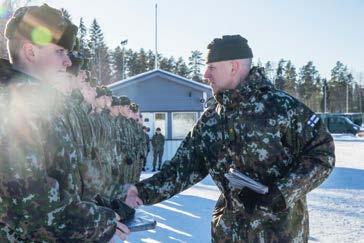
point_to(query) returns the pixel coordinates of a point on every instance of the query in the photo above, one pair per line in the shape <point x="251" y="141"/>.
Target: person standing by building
<point x="147" y="141"/>
<point x="158" y="148"/>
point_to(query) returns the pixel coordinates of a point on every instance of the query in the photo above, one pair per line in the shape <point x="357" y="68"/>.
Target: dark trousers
<point x="145" y="159"/>
<point x="159" y="154"/>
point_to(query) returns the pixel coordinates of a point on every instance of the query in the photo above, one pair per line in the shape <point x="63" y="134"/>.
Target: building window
<point x="161" y="122"/>
<point x="182" y="122"/>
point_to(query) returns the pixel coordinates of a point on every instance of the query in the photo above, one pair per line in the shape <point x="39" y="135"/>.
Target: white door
<point x="148" y="121"/>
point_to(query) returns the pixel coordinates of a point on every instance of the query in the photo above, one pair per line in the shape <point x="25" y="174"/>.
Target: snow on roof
<point x="142" y="75"/>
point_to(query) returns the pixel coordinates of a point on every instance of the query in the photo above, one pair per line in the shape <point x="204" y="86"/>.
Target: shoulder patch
<point x="313" y="120"/>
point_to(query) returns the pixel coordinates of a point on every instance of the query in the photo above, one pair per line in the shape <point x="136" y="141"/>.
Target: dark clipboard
<point x="140" y="221"/>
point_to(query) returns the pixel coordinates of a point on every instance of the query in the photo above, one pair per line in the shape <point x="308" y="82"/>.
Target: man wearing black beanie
<point x="256" y="131"/>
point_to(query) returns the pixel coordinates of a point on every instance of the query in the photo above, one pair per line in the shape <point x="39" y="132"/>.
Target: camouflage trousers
<point x="230" y="227"/>
<point x="157" y="155"/>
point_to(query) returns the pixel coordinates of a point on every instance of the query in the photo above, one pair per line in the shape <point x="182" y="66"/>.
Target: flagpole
<point x="156" y="40"/>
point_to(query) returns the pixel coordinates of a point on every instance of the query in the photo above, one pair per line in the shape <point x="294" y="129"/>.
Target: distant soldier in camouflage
<point x="158" y="148"/>
<point x="260" y="131"/>
<point x="134" y="108"/>
<point x="40" y="185"/>
<point x="125" y="106"/>
<point x="147" y="142"/>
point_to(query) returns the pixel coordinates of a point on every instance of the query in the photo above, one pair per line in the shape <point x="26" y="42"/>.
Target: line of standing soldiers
<point x="67" y="149"/>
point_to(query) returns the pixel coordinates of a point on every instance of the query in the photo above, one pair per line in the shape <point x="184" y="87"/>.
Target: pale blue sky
<point x="322" y="31"/>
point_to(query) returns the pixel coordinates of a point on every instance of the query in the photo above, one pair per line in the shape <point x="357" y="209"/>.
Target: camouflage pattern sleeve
<point x="313" y="149"/>
<point x="185" y="169"/>
<point x="33" y="204"/>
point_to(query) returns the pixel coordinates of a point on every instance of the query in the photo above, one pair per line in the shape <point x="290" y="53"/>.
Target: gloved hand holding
<point x="273" y="199"/>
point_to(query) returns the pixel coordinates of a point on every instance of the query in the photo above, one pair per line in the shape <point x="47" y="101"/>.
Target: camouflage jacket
<point x="265" y="134"/>
<point x="40" y="184"/>
<point x="158" y="142"/>
<point x="147" y="142"/>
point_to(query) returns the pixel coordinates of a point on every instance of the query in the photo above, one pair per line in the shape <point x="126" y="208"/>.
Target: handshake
<point x="132" y="199"/>
<point x="130" y="219"/>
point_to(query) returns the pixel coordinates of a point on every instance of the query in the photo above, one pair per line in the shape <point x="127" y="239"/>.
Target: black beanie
<point x="124" y="100"/>
<point x="100" y="92"/>
<point x="229" y="47"/>
<point x="115" y="101"/>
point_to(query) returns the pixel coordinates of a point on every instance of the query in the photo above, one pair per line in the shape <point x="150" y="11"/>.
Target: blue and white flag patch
<point x="313" y="120"/>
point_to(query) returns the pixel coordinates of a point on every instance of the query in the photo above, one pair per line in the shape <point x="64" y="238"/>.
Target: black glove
<point x="274" y="199"/>
<point x="251" y="199"/>
<point x="124" y="211"/>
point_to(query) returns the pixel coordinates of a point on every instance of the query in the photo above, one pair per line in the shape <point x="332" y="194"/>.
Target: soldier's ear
<point x="235" y="65"/>
<point x="29" y="51"/>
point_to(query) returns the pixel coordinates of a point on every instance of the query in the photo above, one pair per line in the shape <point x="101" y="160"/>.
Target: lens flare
<point x="41" y="36"/>
<point x="4" y="13"/>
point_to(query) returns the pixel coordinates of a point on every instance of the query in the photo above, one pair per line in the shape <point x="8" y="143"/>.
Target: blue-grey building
<point x="166" y="100"/>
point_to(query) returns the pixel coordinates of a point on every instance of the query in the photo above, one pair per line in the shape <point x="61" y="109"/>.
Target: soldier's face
<point x="114" y="110"/>
<point x="89" y="93"/>
<point x="108" y="101"/>
<point x="50" y="61"/>
<point x="219" y="75"/>
<point x="125" y="110"/>
<point x="82" y="76"/>
<point x="100" y="102"/>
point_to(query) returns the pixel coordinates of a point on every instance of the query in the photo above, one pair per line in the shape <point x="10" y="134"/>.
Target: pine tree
<point x="279" y="80"/>
<point x="290" y="77"/>
<point x="269" y="70"/>
<point x="196" y="62"/>
<point x="100" y="67"/>
<point x="82" y="35"/>
<point x="357" y="96"/>
<point x="132" y="63"/>
<point x="181" y="68"/>
<point x="142" y="61"/>
<point x="117" y="64"/>
<point x="150" y="60"/>
<point x="167" y="64"/>
<point x="339" y="83"/>
<point x="309" y="88"/>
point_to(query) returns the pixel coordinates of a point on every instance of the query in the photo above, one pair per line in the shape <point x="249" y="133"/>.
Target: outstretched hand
<point x="121" y="232"/>
<point x="132" y="199"/>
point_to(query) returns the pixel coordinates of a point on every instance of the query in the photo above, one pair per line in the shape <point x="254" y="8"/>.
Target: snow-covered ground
<point x="336" y="208"/>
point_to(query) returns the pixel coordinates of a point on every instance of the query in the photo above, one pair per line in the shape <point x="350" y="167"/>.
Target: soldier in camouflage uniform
<point x="260" y="131"/>
<point x="147" y="142"/>
<point x="134" y="108"/>
<point x="139" y="145"/>
<point x="125" y="106"/>
<point x="126" y="138"/>
<point x="158" y="148"/>
<point x="101" y="167"/>
<point x="40" y="184"/>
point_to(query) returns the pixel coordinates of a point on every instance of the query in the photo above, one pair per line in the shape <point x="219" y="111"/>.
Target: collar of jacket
<point x="254" y="83"/>
<point x="10" y="75"/>
<point x="77" y="96"/>
<point x="86" y="107"/>
<point x="105" y="111"/>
